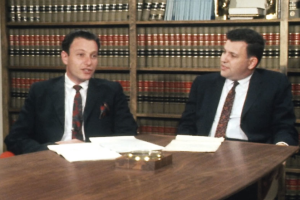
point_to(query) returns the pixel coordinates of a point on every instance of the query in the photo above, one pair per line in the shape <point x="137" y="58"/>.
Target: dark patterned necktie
<point x="225" y="114"/>
<point x="77" y="115"/>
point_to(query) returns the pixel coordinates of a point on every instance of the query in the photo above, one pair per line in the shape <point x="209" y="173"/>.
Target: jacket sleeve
<point x="124" y="123"/>
<point x="20" y="138"/>
<point x="283" y="121"/>
<point x="187" y="123"/>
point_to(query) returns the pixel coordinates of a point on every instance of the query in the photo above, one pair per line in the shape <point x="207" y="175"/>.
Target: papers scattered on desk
<point x="83" y="152"/>
<point x="123" y="144"/>
<point x="194" y="144"/>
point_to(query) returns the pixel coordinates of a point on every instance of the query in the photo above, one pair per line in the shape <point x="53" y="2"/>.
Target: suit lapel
<point x="253" y="91"/>
<point x="93" y="95"/>
<point x="213" y="94"/>
<point x="58" y="99"/>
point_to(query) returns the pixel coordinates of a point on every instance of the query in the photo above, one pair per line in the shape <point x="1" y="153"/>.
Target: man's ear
<point x="64" y="57"/>
<point x="252" y="62"/>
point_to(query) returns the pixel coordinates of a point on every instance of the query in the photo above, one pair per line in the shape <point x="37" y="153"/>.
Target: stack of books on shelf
<point x="157" y="126"/>
<point x="42" y="47"/>
<point x="188" y="47"/>
<point x="246" y="13"/>
<point x="163" y="93"/>
<point x="67" y="10"/>
<point x="190" y="10"/>
<point x="151" y="10"/>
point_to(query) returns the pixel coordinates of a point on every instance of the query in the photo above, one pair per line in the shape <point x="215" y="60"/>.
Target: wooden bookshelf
<point x="132" y="25"/>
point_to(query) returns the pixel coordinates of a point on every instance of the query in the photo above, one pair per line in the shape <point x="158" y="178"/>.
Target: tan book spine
<point x="12" y="47"/>
<point x="67" y="10"/>
<point x="54" y="10"/>
<point x="153" y="10"/>
<point x="146" y="10"/>
<point x="125" y="8"/>
<point x="112" y="10"/>
<point x="74" y="11"/>
<point x="106" y="4"/>
<point x="93" y="10"/>
<point x="141" y="45"/>
<point x="36" y="10"/>
<point x="18" y="14"/>
<point x="161" y="10"/>
<point x="11" y="10"/>
<point x="24" y="11"/>
<point x="48" y="10"/>
<point x="87" y="11"/>
<point x="139" y="10"/>
<point x="81" y="11"/>
<point x="31" y="47"/>
<point x="36" y="47"/>
<point x="100" y="10"/>
<point x="116" y="47"/>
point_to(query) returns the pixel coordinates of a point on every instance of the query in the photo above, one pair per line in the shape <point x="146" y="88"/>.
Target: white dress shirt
<point x="233" y="128"/>
<point x="69" y="101"/>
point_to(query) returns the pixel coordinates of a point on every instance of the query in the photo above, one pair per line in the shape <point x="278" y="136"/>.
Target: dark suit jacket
<point x="267" y="115"/>
<point x="41" y="120"/>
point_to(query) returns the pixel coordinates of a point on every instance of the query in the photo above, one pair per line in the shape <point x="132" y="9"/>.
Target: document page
<point x="124" y="144"/>
<point x="194" y="144"/>
<point x="83" y="152"/>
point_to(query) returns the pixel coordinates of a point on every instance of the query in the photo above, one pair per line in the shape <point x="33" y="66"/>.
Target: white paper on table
<point x="124" y="144"/>
<point x="194" y="143"/>
<point x="83" y="152"/>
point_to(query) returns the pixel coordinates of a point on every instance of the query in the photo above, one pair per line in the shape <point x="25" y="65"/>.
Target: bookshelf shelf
<point x="50" y="68"/>
<point x="178" y="69"/>
<point x="199" y="22"/>
<point x="292" y="170"/>
<point x="46" y="24"/>
<point x="293" y="70"/>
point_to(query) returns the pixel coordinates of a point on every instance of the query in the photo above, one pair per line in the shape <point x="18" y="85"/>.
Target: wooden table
<point x="45" y="175"/>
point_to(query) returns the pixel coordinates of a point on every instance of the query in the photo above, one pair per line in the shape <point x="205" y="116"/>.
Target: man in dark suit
<point x="262" y="109"/>
<point x="46" y="117"/>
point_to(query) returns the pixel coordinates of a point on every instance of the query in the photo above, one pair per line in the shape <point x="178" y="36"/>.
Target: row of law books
<point x="163" y="93"/>
<point x="193" y="47"/>
<point x="190" y="10"/>
<point x="157" y="126"/>
<point x="292" y="186"/>
<point x="294" y="58"/>
<point x="165" y="84"/>
<point x="161" y="105"/>
<point x="293" y="162"/>
<point x="21" y="82"/>
<point x="151" y="10"/>
<point x="67" y="10"/>
<point x="194" y="58"/>
<point x="199" y="36"/>
<point x="42" y="47"/>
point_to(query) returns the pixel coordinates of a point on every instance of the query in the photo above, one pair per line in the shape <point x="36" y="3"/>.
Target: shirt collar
<point x="242" y="82"/>
<point x="70" y="84"/>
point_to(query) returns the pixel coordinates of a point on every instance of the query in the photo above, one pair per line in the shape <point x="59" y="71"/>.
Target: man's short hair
<point x="66" y="43"/>
<point x="255" y="41"/>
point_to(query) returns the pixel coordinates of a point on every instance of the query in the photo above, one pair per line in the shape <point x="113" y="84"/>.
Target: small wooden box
<point x="126" y="162"/>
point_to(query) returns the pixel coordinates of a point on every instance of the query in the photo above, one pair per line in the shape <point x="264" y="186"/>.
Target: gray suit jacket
<point x="41" y="120"/>
<point x="267" y="115"/>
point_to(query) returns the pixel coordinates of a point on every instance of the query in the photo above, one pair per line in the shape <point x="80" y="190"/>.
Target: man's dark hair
<point x="255" y="41"/>
<point x="66" y="43"/>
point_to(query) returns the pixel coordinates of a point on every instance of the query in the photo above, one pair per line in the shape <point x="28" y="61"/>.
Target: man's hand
<point x="69" y="141"/>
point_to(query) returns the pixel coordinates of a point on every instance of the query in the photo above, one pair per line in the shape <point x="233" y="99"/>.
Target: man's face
<point x="235" y="64"/>
<point x="82" y="60"/>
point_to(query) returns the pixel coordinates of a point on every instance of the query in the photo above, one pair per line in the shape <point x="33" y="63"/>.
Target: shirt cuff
<point x="282" y="143"/>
